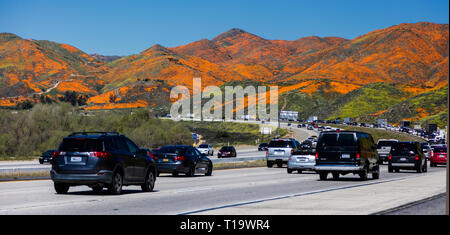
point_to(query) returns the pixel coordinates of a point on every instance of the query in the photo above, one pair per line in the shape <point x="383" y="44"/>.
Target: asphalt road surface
<point x="174" y="195"/>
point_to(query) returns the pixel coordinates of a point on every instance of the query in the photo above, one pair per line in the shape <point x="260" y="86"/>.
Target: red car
<point x="438" y="156"/>
<point x="226" y="151"/>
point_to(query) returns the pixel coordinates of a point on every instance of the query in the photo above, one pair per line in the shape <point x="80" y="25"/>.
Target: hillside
<point x="365" y="77"/>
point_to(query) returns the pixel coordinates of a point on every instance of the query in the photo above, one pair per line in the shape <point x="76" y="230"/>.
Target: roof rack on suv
<point x="93" y="132"/>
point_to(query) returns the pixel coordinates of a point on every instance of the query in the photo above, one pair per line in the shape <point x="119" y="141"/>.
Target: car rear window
<point x="280" y="144"/>
<point x="170" y="149"/>
<point x="203" y="146"/>
<point x="226" y="148"/>
<point x="337" y="142"/>
<point x="403" y="148"/>
<point x="385" y="143"/>
<point x="81" y="145"/>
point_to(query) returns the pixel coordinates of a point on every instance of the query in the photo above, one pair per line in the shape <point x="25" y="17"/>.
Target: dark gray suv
<point x="101" y="159"/>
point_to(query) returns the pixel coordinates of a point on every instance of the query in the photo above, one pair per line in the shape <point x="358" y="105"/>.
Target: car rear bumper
<point x="401" y="164"/>
<point x="102" y="176"/>
<point x="341" y="168"/>
<point x="438" y="160"/>
<point x="277" y="158"/>
<point x="301" y="166"/>
<point x="171" y="168"/>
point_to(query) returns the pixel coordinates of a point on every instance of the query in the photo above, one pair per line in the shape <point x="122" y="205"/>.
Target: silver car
<point x="301" y="161"/>
<point x="280" y="150"/>
<point x="383" y="148"/>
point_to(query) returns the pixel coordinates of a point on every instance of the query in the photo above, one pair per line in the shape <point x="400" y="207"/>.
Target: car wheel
<point x="97" y="189"/>
<point x="299" y="171"/>
<point x="323" y="175"/>
<point x="390" y="169"/>
<point x="149" y="182"/>
<point x="116" y="186"/>
<point x="280" y="165"/>
<point x="269" y="164"/>
<point x="419" y="169"/>
<point x="191" y="171"/>
<point x="61" y="188"/>
<point x="289" y="171"/>
<point x="174" y="173"/>
<point x="210" y="168"/>
<point x="397" y="170"/>
<point x="335" y="176"/>
<point x="376" y="173"/>
<point x="363" y="174"/>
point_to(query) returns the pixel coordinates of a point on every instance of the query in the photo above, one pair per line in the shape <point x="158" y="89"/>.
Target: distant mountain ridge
<point x="413" y="58"/>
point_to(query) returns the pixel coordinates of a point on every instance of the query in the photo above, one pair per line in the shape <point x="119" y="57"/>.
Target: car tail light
<point x="390" y="157"/>
<point x="56" y="154"/>
<point x="416" y="158"/>
<point x="151" y="155"/>
<point x="180" y="158"/>
<point x="102" y="154"/>
<point x="358" y="156"/>
<point x="267" y="152"/>
<point x="292" y="151"/>
<point x="290" y="159"/>
<point x="317" y="156"/>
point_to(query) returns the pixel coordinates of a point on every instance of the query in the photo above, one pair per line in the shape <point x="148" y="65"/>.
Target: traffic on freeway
<point x="169" y="180"/>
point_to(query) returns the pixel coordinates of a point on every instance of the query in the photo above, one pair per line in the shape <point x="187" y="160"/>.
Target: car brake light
<point x="358" y="156"/>
<point x="151" y="155"/>
<point x="317" y="155"/>
<point x="292" y="151"/>
<point x="390" y="157"/>
<point x="416" y="158"/>
<point x="180" y="158"/>
<point x="56" y="154"/>
<point x="102" y="154"/>
<point x="267" y="152"/>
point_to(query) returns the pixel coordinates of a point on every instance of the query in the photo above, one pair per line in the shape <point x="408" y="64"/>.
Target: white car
<point x="206" y="149"/>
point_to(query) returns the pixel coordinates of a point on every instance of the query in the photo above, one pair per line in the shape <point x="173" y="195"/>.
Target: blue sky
<point x="129" y="27"/>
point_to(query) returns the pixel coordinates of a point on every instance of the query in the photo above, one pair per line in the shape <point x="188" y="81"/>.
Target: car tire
<point x="376" y="173"/>
<point x="299" y="171"/>
<point x="116" y="185"/>
<point x="390" y="169"/>
<point x="280" y="165"/>
<point x="323" y="175"/>
<point x="269" y="164"/>
<point x="363" y="174"/>
<point x="97" y="189"/>
<point x="175" y="174"/>
<point x="419" y="169"/>
<point x="289" y="171"/>
<point x="210" y="168"/>
<point x="191" y="171"/>
<point x="149" y="182"/>
<point x="61" y="188"/>
<point x="335" y="176"/>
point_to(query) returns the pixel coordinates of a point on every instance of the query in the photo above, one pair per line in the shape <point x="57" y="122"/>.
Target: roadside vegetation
<point x="25" y="134"/>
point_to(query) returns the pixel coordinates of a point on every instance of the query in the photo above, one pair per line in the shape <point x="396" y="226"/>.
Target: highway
<point x="238" y="191"/>
<point x="224" y="189"/>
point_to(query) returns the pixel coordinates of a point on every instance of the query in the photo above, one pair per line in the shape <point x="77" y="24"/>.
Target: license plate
<point x="345" y="156"/>
<point x="279" y="152"/>
<point x="441" y="156"/>
<point x="75" y="159"/>
<point x="165" y="160"/>
<point x="301" y="159"/>
<point x="402" y="159"/>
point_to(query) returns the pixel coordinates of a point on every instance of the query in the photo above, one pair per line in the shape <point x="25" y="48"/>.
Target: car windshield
<point x="385" y="143"/>
<point x="81" y="145"/>
<point x="280" y="144"/>
<point x="337" y="141"/>
<point x="173" y="149"/>
<point x="403" y="148"/>
<point x="226" y="148"/>
<point x="203" y="146"/>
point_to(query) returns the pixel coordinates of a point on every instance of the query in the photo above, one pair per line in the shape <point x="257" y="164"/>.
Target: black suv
<point x="407" y="155"/>
<point x="343" y="152"/>
<point x="101" y="159"/>
<point x="46" y="156"/>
